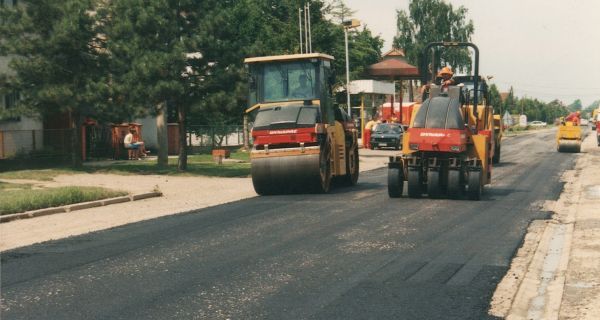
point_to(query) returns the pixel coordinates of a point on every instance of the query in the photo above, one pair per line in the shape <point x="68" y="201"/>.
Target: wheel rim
<point x="324" y="170"/>
<point x="353" y="166"/>
<point x="395" y="182"/>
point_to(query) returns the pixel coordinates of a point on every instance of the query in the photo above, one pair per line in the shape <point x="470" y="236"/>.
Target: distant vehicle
<point x="584" y="122"/>
<point x="538" y="124"/>
<point x="387" y="135"/>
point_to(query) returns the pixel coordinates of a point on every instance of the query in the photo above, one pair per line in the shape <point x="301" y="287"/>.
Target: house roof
<point x="394" y="65"/>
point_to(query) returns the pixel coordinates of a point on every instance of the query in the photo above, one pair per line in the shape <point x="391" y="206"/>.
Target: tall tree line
<point x="118" y="60"/>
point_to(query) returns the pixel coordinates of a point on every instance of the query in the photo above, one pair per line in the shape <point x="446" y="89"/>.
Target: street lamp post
<point x="349" y="24"/>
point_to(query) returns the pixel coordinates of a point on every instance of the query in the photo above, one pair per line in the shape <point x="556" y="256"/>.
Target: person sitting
<point x="135" y="146"/>
<point x="303" y="90"/>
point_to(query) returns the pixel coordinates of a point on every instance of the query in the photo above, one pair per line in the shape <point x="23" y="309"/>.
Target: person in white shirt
<point x="136" y="146"/>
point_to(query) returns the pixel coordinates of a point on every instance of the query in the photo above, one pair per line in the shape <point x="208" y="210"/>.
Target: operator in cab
<point x="303" y="90"/>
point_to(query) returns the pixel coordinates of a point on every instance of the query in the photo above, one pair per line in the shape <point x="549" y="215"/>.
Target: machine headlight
<point x="413" y="146"/>
<point x="455" y="148"/>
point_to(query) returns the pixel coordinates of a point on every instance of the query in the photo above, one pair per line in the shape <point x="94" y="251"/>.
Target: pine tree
<point x="58" y="60"/>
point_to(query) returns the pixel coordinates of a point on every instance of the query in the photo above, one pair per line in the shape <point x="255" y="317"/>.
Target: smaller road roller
<point x="301" y="141"/>
<point x="449" y="145"/>
<point x="569" y="134"/>
<point x="498" y="132"/>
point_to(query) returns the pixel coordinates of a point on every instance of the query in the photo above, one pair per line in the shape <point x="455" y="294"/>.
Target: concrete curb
<point x="78" y="206"/>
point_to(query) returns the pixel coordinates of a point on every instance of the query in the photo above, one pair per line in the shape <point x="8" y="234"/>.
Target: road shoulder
<point x="554" y="274"/>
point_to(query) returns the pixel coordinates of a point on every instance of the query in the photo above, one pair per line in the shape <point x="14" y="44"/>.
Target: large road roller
<point x="449" y="145"/>
<point x="301" y="141"/>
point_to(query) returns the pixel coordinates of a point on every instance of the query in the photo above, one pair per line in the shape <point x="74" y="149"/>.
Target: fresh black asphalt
<point x="350" y="254"/>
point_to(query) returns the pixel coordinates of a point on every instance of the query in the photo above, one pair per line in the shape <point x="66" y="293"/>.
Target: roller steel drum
<point x="573" y="146"/>
<point x="285" y="174"/>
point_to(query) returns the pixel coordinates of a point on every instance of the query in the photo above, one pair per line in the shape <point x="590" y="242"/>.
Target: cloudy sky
<point x="545" y="49"/>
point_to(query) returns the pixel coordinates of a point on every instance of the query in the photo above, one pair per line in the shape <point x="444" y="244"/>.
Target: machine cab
<point x="292" y="94"/>
<point x="297" y="77"/>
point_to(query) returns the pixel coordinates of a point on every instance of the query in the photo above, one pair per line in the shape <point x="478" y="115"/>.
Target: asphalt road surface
<point x="351" y="254"/>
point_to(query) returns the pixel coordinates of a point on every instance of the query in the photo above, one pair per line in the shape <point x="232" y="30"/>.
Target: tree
<point x="265" y="27"/>
<point x="495" y="99"/>
<point x="431" y="21"/>
<point x="339" y="11"/>
<point x="576" y="106"/>
<point x="510" y="103"/>
<point x="58" y="60"/>
<point x="593" y="106"/>
<point x="160" y="54"/>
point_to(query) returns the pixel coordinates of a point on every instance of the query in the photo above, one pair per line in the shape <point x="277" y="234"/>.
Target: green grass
<point x="13" y="201"/>
<point x="198" y="165"/>
<point x="36" y="174"/>
<point x="5" y="186"/>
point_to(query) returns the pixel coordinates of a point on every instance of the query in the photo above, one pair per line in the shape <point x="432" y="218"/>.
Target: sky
<point x="544" y="49"/>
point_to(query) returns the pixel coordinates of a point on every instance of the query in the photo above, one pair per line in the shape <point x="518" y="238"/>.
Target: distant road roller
<point x="301" y="141"/>
<point x="449" y="145"/>
<point x="569" y="134"/>
<point x="498" y="132"/>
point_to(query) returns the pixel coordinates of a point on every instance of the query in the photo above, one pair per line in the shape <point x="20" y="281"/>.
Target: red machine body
<point x="393" y="115"/>
<point x="284" y="136"/>
<point x="444" y="140"/>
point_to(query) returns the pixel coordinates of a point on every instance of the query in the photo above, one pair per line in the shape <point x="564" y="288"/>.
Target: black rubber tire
<point x="434" y="184"/>
<point x="496" y="158"/>
<point x="263" y="190"/>
<point x="415" y="185"/>
<point x="475" y="187"/>
<point x="456" y="185"/>
<point x="324" y="183"/>
<point x="352" y="169"/>
<point x="395" y="182"/>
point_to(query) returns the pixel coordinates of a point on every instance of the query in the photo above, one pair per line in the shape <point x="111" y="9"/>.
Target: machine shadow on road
<point x="504" y="164"/>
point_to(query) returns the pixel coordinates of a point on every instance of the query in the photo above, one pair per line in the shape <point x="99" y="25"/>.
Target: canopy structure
<point x="394" y="67"/>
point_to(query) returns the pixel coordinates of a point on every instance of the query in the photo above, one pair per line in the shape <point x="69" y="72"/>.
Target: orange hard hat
<point x="446" y="70"/>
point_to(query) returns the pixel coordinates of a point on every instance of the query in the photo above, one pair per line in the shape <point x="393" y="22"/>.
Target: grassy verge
<point x="516" y="130"/>
<point x="198" y="165"/>
<point x="36" y="174"/>
<point x="13" y="201"/>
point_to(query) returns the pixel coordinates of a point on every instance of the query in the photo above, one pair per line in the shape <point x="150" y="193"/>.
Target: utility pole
<point x="348" y="24"/>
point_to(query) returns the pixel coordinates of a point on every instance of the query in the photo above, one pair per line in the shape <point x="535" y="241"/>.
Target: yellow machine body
<point x="298" y="149"/>
<point x="568" y="137"/>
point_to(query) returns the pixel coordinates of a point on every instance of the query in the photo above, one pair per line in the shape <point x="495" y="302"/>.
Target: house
<point x="17" y="134"/>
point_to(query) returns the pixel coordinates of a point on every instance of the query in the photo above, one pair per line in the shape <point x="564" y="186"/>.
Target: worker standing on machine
<point x="444" y="80"/>
<point x="574" y="117"/>
<point x="368" y="127"/>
